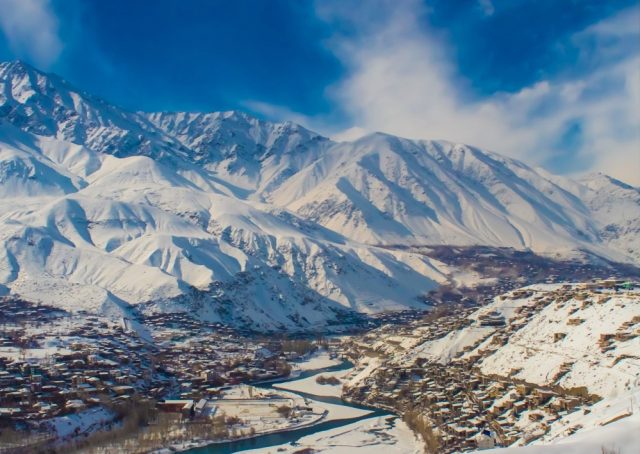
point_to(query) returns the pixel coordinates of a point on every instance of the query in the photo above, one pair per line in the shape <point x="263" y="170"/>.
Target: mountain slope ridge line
<point x="268" y="225"/>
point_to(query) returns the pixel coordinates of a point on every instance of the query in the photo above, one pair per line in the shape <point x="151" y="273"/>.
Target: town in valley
<point x="67" y="380"/>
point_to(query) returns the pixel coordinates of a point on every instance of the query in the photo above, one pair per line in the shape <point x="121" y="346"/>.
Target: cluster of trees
<point x="285" y="411"/>
<point x="144" y="430"/>
<point x="130" y="418"/>
<point x="299" y="346"/>
<point x="19" y="441"/>
<point x="283" y="368"/>
<point x="322" y="380"/>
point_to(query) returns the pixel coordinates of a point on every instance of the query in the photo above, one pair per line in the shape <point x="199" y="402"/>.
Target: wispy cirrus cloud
<point x="487" y="7"/>
<point x="400" y="79"/>
<point x="31" y="30"/>
<point x="281" y="113"/>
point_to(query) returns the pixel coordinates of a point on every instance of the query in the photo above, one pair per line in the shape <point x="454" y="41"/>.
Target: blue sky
<point x="548" y="81"/>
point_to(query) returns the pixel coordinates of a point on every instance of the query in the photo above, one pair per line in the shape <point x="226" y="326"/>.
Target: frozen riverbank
<point x="310" y="385"/>
<point x="377" y="435"/>
<point x="338" y="412"/>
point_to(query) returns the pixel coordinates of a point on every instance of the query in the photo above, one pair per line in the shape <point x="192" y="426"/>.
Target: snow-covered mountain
<point x="383" y="190"/>
<point x="252" y="154"/>
<point x="81" y="229"/>
<point x="387" y="190"/>
<point x="259" y="223"/>
<point x="616" y="207"/>
<point x="47" y="105"/>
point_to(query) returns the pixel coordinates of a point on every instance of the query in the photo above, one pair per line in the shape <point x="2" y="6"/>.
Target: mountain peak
<point x="599" y="180"/>
<point x="232" y="139"/>
<point x="22" y="79"/>
<point x="24" y="83"/>
<point x="47" y="105"/>
<point x="14" y="71"/>
<point x="16" y="66"/>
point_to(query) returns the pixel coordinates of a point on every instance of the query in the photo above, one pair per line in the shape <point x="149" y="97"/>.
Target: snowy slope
<point x="612" y="425"/>
<point x="553" y="336"/>
<point x="616" y="207"/>
<point x="132" y="230"/>
<point x="263" y="224"/>
<point x="382" y="189"/>
<point x="575" y="339"/>
<point x="540" y="359"/>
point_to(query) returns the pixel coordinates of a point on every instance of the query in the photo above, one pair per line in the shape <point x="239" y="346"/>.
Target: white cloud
<point x="400" y="80"/>
<point x="280" y="113"/>
<point x="487" y="7"/>
<point x="322" y="124"/>
<point x="349" y="134"/>
<point x="31" y="29"/>
<point x="625" y="23"/>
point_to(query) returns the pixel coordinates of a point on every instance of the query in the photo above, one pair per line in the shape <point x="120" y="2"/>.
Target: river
<point x="275" y="439"/>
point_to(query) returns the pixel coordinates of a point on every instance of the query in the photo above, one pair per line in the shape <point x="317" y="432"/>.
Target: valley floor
<point x="544" y="367"/>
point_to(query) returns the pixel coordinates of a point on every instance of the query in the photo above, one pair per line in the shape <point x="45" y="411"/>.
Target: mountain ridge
<point x="288" y="227"/>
